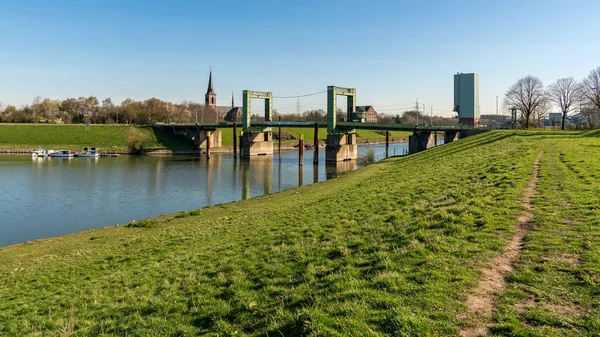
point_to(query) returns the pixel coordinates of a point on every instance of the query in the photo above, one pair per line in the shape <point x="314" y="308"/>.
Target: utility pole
<point x="496" y="110"/>
<point x="417" y="109"/>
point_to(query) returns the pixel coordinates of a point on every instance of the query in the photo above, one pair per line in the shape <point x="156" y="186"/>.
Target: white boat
<point x="37" y="153"/>
<point x="88" y="152"/>
<point x="61" y="154"/>
<point x="41" y="153"/>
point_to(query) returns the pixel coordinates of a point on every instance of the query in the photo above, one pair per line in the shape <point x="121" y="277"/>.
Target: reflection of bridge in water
<point x="256" y="138"/>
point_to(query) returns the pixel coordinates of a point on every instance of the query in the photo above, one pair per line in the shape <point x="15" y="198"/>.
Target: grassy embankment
<point x="114" y="137"/>
<point x="76" y="137"/>
<point x="391" y="249"/>
<point x="555" y="288"/>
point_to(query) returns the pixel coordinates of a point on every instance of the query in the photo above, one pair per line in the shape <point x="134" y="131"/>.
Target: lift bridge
<point x="257" y="137"/>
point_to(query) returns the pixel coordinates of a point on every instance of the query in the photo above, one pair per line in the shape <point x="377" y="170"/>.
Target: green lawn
<point x="391" y="249"/>
<point x="76" y="137"/>
<point x="114" y="137"/>
<point x="555" y="289"/>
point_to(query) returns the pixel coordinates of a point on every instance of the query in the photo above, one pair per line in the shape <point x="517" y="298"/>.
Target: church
<point x="224" y="113"/>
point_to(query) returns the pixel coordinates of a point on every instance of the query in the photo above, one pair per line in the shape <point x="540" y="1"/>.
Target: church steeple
<point x="232" y="103"/>
<point x="210" y="99"/>
<point x="211" y="89"/>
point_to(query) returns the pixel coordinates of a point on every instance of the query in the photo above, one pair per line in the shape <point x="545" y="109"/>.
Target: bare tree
<point x="564" y="92"/>
<point x="527" y="96"/>
<point x="591" y="115"/>
<point x="590" y="88"/>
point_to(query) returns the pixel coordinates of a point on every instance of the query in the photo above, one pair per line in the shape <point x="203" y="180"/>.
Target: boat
<point x="41" y="153"/>
<point x="61" y="154"/>
<point x="37" y="153"/>
<point x="88" y="152"/>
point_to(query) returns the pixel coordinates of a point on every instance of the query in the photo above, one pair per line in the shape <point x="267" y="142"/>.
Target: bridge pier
<point x="256" y="143"/>
<point x="205" y="134"/>
<point x="420" y="140"/>
<point x="341" y="147"/>
<point x="451" y="136"/>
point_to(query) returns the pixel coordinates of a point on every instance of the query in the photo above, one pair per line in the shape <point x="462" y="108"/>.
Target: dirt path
<point x="481" y="303"/>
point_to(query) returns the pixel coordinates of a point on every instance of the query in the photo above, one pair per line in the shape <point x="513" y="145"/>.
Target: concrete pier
<point x="451" y="136"/>
<point x="204" y="135"/>
<point x="420" y="140"/>
<point x="257" y="143"/>
<point x="341" y="147"/>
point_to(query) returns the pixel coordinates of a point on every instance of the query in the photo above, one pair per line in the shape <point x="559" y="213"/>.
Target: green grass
<point x="114" y="137"/>
<point x="76" y="137"/>
<point x="227" y="135"/>
<point x="555" y="289"/>
<point x="391" y="249"/>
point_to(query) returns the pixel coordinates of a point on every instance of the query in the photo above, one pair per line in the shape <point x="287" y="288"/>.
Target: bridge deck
<point x="348" y="126"/>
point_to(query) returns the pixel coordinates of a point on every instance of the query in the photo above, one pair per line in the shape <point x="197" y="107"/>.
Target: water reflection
<point x="336" y="169"/>
<point x="45" y="197"/>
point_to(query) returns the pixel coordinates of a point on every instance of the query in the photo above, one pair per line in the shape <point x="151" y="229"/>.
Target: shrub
<point x="143" y="224"/>
<point x="137" y="141"/>
<point x="367" y="159"/>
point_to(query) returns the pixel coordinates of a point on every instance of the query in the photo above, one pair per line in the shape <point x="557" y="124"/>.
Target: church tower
<point x="210" y="99"/>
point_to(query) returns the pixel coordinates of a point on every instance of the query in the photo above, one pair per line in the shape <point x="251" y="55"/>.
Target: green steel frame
<point x="332" y="93"/>
<point x="247" y="106"/>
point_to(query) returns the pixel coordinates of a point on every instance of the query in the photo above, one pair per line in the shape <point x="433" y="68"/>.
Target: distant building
<point x="466" y="98"/>
<point x="235" y="112"/>
<point x="210" y="102"/>
<point x="369" y="113"/>
<point x="554" y="118"/>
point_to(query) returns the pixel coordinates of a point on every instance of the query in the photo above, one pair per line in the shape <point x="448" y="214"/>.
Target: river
<point x="49" y="197"/>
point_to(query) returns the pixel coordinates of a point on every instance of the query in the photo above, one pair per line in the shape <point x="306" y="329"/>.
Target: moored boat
<point x="41" y="153"/>
<point x="61" y="154"/>
<point x="88" y="152"/>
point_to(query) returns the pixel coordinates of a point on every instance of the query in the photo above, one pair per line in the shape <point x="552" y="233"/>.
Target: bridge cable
<point x="313" y="94"/>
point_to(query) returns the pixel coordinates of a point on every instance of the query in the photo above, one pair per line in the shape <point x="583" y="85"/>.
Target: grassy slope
<point x="555" y="289"/>
<point x="75" y="137"/>
<point x="374" y="252"/>
<point x="308" y="133"/>
<point x="114" y="137"/>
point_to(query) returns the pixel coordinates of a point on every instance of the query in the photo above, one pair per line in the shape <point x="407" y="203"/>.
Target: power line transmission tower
<point x="298" y="106"/>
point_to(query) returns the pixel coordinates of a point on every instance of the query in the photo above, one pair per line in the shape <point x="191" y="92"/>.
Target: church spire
<point x="211" y="89"/>
<point x="232" y="103"/>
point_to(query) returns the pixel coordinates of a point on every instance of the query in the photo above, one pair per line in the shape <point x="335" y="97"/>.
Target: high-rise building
<point x="466" y="98"/>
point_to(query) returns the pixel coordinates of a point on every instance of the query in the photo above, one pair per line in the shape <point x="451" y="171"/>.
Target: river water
<point x="49" y="197"/>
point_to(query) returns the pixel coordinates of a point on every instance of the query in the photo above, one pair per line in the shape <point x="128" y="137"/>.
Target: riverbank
<point x="374" y="252"/>
<point x="23" y="138"/>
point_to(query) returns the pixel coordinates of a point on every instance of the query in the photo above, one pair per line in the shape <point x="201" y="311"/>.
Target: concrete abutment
<point x="341" y="147"/>
<point x="256" y="143"/>
<point x="420" y="140"/>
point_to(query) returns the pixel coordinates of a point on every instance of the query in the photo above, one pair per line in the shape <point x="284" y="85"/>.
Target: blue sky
<point x="392" y="52"/>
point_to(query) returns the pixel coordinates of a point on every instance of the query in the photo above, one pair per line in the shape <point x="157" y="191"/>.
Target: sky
<point x="393" y="52"/>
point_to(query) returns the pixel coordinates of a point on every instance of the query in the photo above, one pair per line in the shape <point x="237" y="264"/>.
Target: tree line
<point x="533" y="101"/>
<point x="91" y="110"/>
